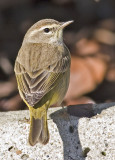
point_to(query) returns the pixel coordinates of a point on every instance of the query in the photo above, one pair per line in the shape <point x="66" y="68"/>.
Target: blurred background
<point x="91" y="40"/>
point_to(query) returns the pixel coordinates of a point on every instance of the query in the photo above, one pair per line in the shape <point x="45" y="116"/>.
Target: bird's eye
<point x="46" y="30"/>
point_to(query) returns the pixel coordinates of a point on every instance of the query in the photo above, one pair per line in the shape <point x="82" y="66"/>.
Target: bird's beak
<point x="64" y="24"/>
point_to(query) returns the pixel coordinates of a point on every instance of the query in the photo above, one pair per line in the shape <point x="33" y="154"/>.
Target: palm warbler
<point x="42" y="70"/>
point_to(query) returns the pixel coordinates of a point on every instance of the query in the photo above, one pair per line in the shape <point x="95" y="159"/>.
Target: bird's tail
<point x="38" y="130"/>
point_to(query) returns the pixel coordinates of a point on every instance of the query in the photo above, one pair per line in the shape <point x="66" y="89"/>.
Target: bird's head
<point x="46" y="31"/>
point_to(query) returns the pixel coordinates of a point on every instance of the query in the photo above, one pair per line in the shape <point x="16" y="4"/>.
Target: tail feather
<point x="38" y="130"/>
<point x="44" y="136"/>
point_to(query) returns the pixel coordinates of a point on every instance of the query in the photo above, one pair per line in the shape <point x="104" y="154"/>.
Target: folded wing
<point x="34" y="85"/>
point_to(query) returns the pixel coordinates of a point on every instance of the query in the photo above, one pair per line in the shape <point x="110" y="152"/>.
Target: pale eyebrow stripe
<point x="47" y="26"/>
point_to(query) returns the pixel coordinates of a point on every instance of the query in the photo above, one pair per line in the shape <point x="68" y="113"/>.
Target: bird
<point x="42" y="69"/>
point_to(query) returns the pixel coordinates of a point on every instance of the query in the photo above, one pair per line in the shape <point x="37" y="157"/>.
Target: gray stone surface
<point x="97" y="135"/>
<point x="97" y="108"/>
<point x="71" y="138"/>
<point x="63" y="145"/>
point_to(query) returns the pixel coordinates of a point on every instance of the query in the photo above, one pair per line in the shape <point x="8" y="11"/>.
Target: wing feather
<point x="34" y="85"/>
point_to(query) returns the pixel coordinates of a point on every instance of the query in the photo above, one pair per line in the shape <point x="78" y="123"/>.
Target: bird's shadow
<point x="68" y="130"/>
<point x="68" y="127"/>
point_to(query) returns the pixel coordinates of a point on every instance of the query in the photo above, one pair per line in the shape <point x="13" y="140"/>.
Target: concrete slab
<point x="71" y="137"/>
<point x="64" y="141"/>
<point x="97" y="135"/>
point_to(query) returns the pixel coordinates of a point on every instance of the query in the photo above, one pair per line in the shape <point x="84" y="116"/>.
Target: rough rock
<point x="71" y="137"/>
<point x="97" y="135"/>
<point x="64" y="141"/>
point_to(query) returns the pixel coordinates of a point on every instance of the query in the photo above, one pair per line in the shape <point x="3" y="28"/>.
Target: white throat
<point x="57" y="38"/>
